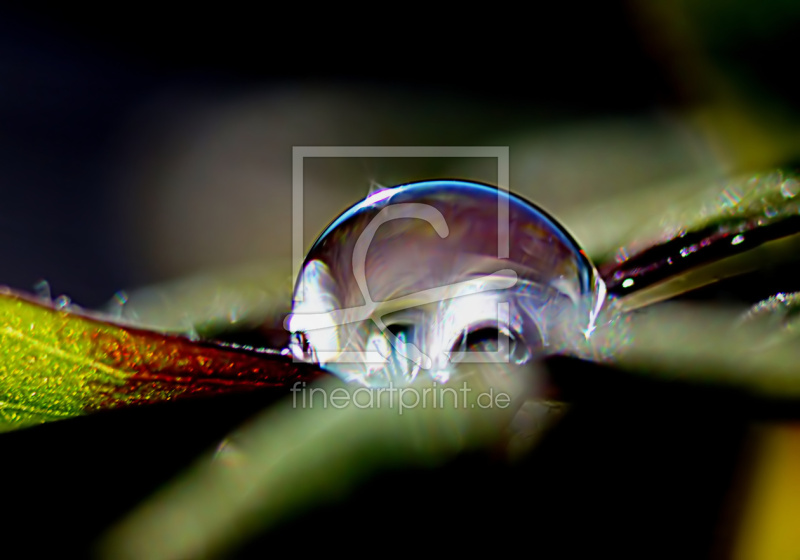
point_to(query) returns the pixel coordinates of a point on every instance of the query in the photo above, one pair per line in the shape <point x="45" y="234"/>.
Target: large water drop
<point x="416" y="278"/>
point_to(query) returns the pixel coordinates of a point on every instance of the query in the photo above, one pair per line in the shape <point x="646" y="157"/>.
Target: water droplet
<point x="116" y="307"/>
<point x="121" y="298"/>
<point x="730" y="197"/>
<point x="42" y="289"/>
<point x="790" y="188"/>
<point x="396" y="283"/>
<point x="62" y="302"/>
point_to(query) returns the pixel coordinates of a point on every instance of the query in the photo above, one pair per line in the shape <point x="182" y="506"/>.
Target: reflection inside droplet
<point x="423" y="276"/>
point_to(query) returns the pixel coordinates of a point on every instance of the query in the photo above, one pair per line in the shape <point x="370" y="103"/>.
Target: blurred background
<point x="140" y="146"/>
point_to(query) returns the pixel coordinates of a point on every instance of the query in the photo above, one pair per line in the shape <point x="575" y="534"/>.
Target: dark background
<point x="72" y="78"/>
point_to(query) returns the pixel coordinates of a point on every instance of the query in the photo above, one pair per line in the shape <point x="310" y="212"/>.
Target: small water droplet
<point x="42" y="289"/>
<point x="730" y="197"/>
<point x="790" y="188"/>
<point x="116" y="307"/>
<point x="62" y="302"/>
<point x="121" y="298"/>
